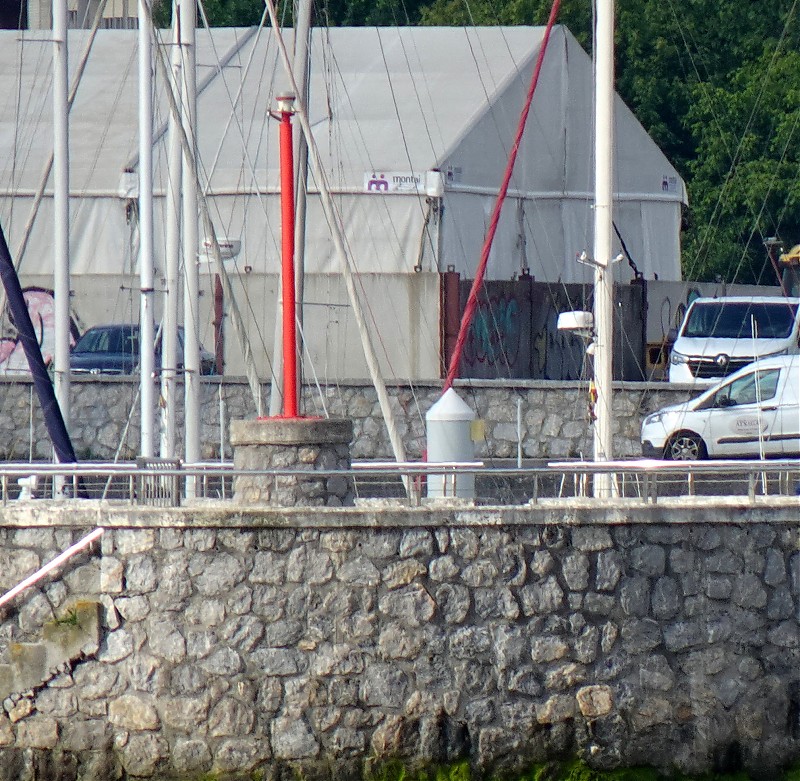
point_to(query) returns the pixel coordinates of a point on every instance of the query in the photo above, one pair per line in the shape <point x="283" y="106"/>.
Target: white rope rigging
<point x="319" y="175"/>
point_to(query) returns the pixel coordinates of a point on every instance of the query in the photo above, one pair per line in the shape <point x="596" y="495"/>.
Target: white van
<point x="718" y="336"/>
<point x="753" y="413"/>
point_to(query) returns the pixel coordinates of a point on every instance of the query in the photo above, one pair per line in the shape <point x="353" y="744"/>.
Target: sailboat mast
<point x="603" y="226"/>
<point x="301" y="66"/>
<point x="146" y="272"/>
<point x="191" y="320"/>
<point x="169" y="335"/>
<point x="190" y="166"/>
<point x="61" y="280"/>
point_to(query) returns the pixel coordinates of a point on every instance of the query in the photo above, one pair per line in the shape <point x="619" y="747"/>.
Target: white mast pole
<point x="146" y="272"/>
<point x="235" y="314"/>
<point x="61" y="280"/>
<point x="169" y="334"/>
<point x="76" y="80"/>
<point x="604" y="274"/>
<point x="191" y="299"/>
<point x="302" y="39"/>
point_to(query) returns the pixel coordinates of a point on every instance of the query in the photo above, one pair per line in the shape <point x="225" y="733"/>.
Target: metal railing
<point x="155" y="482"/>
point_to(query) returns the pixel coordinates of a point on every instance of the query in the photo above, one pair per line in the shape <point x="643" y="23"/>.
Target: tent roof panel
<point x="395" y="99"/>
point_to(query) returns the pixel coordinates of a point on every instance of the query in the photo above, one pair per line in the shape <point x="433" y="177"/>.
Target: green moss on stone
<point x="574" y="770"/>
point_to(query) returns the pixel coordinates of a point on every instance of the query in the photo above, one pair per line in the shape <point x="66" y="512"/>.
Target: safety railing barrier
<point x="159" y="483"/>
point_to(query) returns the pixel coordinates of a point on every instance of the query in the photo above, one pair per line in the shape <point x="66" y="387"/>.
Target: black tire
<point x="685" y="446"/>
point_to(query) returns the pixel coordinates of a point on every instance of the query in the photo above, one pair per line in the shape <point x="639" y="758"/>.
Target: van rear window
<point x="739" y="320"/>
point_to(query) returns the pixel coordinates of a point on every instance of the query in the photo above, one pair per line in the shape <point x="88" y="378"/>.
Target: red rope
<point x="480" y="272"/>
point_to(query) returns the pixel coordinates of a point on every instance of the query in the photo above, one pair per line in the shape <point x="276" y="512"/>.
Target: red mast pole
<point x="287" y="259"/>
<point x="472" y="300"/>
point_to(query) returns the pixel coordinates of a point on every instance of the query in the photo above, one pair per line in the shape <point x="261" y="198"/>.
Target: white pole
<point x="604" y="274"/>
<point x="235" y="315"/>
<point x="221" y="424"/>
<point x="146" y="262"/>
<point x="51" y="565"/>
<point x="301" y="67"/>
<point x="76" y="80"/>
<point x="754" y="337"/>
<point x="191" y="298"/>
<point x="30" y="425"/>
<point x="61" y="279"/>
<point x="169" y="333"/>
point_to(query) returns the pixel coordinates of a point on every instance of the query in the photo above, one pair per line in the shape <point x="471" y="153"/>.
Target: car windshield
<point x="737" y="320"/>
<point x="108" y="340"/>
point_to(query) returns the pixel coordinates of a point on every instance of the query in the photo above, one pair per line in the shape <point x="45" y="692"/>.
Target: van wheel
<point x="685" y="446"/>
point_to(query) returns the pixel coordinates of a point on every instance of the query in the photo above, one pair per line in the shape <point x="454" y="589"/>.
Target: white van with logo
<point x="754" y="413"/>
<point x="718" y="336"/>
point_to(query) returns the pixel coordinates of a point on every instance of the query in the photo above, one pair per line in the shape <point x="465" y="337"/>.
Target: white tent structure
<point x="413" y="125"/>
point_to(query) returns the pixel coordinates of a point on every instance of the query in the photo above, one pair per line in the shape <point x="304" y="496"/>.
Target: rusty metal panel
<point x="499" y="337"/>
<point x="513" y="334"/>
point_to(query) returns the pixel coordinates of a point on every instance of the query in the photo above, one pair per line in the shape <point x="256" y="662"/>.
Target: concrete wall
<point x="555" y="416"/>
<point x="623" y="634"/>
<point x="404" y="310"/>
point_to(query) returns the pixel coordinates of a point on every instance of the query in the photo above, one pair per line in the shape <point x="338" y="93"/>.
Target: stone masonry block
<point x="76" y="633"/>
<point x="7" y="680"/>
<point x="30" y="664"/>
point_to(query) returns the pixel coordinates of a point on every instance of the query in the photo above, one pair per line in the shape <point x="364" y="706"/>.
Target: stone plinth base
<point x="297" y="444"/>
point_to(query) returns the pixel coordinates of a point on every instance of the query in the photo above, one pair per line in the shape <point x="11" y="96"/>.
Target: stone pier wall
<point x="555" y="420"/>
<point x="282" y="643"/>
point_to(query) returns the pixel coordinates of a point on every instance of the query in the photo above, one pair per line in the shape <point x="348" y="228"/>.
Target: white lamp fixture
<point x="581" y="323"/>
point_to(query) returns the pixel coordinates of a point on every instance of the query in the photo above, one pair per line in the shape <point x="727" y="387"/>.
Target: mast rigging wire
<point x="481" y="270"/>
<point x="236" y="318"/>
<point x="76" y="80"/>
<point x="314" y="158"/>
<point x="735" y="155"/>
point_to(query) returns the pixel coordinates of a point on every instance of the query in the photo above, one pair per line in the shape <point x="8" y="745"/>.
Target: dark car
<point x="114" y="349"/>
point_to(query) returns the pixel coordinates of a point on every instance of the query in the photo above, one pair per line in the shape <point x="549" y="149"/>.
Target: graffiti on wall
<point x="556" y="355"/>
<point x="41" y="308"/>
<point x="493" y="340"/>
<point x="514" y="333"/>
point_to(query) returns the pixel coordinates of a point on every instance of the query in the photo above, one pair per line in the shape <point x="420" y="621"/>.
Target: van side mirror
<point x="672" y="336"/>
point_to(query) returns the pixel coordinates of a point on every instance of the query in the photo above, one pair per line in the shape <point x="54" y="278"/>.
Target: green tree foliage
<point x="705" y="78"/>
<point x="220" y="13"/>
<point x="360" y="13"/>
<point x="743" y="181"/>
<point x="714" y="82"/>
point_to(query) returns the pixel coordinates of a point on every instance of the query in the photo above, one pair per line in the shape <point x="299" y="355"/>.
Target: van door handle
<point x="768" y="409"/>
